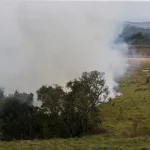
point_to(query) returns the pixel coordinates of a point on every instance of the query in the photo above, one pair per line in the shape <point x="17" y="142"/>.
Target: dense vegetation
<point x="139" y="38"/>
<point x="62" y="114"/>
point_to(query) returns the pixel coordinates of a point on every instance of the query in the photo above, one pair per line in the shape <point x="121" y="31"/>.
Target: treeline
<point x="65" y="113"/>
<point x="139" y="38"/>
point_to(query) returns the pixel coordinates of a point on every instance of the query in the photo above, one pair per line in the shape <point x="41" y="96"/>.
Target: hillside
<point x="129" y="114"/>
<point x="125" y="120"/>
<point x="145" y="24"/>
<point x="137" y="36"/>
<point x="131" y="28"/>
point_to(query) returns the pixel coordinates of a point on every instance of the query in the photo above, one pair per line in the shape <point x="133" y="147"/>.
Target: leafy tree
<point x="22" y="97"/>
<point x="77" y="105"/>
<point x="62" y="114"/>
<point x="82" y="100"/>
<point x="2" y="93"/>
<point x="51" y="97"/>
<point x="17" y="115"/>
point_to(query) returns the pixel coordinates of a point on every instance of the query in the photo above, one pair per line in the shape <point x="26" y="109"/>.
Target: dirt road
<point x="139" y="60"/>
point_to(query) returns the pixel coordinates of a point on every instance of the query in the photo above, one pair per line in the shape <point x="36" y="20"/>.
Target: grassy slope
<point x="129" y="115"/>
<point x="127" y="119"/>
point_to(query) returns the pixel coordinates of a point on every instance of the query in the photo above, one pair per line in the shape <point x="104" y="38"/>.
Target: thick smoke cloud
<point x="54" y="42"/>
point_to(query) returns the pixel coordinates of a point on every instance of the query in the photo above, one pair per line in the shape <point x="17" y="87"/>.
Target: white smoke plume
<point x="54" y="42"/>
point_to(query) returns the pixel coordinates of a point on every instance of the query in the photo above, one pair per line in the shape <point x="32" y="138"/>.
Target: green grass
<point x="129" y="115"/>
<point x="97" y="142"/>
<point x="127" y="120"/>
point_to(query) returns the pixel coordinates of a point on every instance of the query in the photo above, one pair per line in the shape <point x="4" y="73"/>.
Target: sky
<point x="128" y="10"/>
<point x="53" y="42"/>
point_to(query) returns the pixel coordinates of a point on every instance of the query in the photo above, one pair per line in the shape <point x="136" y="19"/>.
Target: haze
<point x="54" y="42"/>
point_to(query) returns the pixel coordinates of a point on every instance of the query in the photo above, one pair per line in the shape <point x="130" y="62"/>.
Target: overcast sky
<point x="40" y="42"/>
<point x="128" y="10"/>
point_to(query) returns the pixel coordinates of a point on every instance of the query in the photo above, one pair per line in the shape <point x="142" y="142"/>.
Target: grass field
<point x="126" y="120"/>
<point x="129" y="115"/>
<point x="97" y="142"/>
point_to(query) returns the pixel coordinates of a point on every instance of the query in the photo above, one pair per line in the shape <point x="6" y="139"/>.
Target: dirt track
<point x="139" y="60"/>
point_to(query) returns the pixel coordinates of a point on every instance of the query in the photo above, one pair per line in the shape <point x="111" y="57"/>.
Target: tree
<point x="23" y="97"/>
<point x="62" y="114"/>
<point x="77" y="105"/>
<point x="2" y="93"/>
<point x="51" y="97"/>
<point x="82" y="100"/>
<point x="17" y="115"/>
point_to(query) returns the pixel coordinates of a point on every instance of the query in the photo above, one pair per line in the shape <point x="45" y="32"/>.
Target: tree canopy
<point x="69" y="113"/>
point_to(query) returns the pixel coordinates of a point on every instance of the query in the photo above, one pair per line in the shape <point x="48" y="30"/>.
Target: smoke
<point x="54" y="42"/>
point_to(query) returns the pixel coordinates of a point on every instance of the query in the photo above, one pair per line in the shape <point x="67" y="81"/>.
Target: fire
<point x="118" y="94"/>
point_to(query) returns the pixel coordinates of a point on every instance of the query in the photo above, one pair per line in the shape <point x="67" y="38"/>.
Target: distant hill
<point x="145" y="25"/>
<point x="131" y="28"/>
<point x="137" y="36"/>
